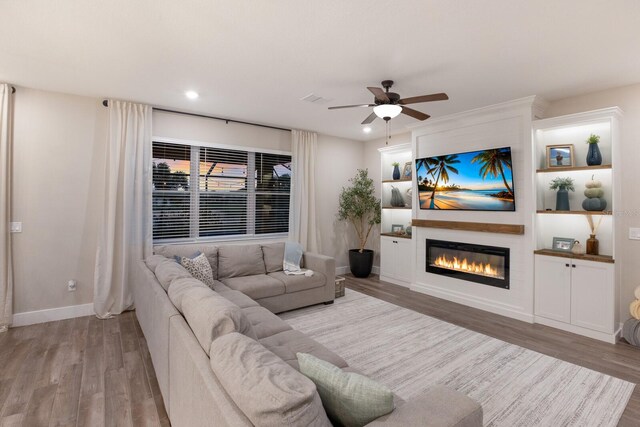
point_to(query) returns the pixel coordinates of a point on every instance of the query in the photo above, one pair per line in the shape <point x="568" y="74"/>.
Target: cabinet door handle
<point x="566" y="265"/>
<point x="573" y="265"/>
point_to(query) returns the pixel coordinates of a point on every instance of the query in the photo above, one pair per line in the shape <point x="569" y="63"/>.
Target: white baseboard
<point x="52" y="314"/>
<point x="602" y="336"/>
<point x="340" y="271"/>
<point x="482" y="304"/>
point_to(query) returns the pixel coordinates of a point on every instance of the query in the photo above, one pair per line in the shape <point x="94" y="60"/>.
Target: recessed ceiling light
<point x="191" y="94"/>
<point x="366" y="129"/>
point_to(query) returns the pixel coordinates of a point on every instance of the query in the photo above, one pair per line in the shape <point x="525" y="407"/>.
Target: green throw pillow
<point x="350" y="399"/>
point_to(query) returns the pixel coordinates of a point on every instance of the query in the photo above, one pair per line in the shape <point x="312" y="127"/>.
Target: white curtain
<point x="302" y="213"/>
<point x="126" y="234"/>
<point x="6" y="270"/>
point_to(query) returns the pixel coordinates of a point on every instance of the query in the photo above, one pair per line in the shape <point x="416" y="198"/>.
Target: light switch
<point x="16" y="227"/>
<point x="634" y="233"/>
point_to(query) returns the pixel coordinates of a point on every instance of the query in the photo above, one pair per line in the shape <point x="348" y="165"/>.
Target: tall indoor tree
<point x="360" y="207"/>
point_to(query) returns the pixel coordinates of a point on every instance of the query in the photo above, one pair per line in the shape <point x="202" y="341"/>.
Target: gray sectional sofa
<point x="219" y="352"/>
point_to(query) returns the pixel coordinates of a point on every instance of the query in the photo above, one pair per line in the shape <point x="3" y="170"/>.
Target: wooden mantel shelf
<point x="482" y="227"/>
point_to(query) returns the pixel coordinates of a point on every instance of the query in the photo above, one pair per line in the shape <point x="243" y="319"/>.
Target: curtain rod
<point x="106" y="104"/>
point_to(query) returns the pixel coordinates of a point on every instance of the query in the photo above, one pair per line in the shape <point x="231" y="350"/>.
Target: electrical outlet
<point x="71" y="285"/>
<point x="16" y="227"/>
<point x="634" y="233"/>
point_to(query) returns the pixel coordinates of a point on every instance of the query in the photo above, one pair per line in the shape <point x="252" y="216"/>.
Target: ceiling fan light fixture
<point x="387" y="110"/>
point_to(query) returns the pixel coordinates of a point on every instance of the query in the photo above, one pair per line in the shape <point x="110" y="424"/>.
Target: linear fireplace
<point x="488" y="265"/>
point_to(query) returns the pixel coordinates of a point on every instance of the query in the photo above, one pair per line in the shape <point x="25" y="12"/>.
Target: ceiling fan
<point x="388" y="105"/>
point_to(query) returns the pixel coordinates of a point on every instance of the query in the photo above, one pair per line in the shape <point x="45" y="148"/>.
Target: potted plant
<point x="359" y="206"/>
<point x="563" y="185"/>
<point x="594" y="157"/>
<point x="396" y="170"/>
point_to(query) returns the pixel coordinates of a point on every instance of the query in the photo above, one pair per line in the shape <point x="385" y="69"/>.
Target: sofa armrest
<point x="325" y="265"/>
<point x="439" y="406"/>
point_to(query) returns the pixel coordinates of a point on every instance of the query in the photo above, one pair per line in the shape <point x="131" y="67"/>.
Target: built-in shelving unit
<point x="573" y="168"/>
<point x="577" y="292"/>
<point x="396" y="249"/>
<point x="545" y="212"/>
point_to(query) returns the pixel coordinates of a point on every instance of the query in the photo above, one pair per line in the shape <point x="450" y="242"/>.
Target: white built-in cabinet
<point x="396" y="250"/>
<point x="396" y="257"/>
<point x="577" y="292"/>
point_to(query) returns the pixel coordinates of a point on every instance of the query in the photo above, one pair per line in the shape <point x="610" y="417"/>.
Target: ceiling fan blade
<point x="424" y="98"/>
<point x="415" y="113"/>
<point x="371" y="117"/>
<point x="379" y="94"/>
<point x="352" y="106"/>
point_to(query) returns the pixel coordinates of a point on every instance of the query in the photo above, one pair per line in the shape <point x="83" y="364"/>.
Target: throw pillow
<point x="199" y="268"/>
<point x="350" y="399"/>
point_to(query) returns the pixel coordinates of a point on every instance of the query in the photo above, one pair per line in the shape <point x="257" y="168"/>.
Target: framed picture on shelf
<point x="563" y="244"/>
<point x="397" y="228"/>
<point x="406" y="172"/>
<point x="559" y="156"/>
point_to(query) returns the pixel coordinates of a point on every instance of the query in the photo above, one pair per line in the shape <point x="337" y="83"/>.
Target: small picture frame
<point x="560" y="156"/>
<point x="406" y="172"/>
<point x="563" y="244"/>
<point x="397" y="228"/>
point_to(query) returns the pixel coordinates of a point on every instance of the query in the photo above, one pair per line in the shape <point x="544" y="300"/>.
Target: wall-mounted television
<point x="474" y="181"/>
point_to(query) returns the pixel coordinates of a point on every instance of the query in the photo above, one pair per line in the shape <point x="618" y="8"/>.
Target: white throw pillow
<point x="199" y="268"/>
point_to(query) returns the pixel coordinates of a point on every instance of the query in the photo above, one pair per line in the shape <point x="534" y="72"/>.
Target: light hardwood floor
<point x="83" y="371"/>
<point x="91" y="372"/>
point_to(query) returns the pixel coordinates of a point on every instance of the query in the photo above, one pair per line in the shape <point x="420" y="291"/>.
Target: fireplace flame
<point x="468" y="267"/>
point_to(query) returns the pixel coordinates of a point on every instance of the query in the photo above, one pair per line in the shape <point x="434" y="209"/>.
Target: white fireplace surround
<point x="507" y="124"/>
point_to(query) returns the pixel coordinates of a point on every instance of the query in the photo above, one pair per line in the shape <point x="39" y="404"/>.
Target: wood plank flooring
<point x="90" y="372"/>
<point x="621" y="360"/>
<point x="79" y="372"/>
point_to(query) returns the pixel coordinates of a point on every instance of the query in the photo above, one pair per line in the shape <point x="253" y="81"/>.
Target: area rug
<point x="409" y="352"/>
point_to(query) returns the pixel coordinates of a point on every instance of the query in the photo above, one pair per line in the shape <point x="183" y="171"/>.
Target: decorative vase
<point x="562" y="199"/>
<point x="592" y="245"/>
<point x="396" y="198"/>
<point x="594" y="157"/>
<point x="396" y="172"/>
<point x="577" y="248"/>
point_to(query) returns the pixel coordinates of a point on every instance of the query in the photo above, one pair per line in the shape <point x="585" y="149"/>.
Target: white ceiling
<point x="254" y="60"/>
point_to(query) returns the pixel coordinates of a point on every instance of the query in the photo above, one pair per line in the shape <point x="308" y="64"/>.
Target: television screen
<point x="477" y="180"/>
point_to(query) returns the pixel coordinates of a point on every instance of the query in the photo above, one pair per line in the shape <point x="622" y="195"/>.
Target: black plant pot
<point x="360" y="263"/>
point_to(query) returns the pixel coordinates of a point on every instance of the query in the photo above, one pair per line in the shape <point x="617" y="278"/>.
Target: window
<point x="222" y="201"/>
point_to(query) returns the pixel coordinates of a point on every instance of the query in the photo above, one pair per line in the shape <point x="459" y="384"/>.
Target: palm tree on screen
<point x="493" y="164"/>
<point x="441" y="165"/>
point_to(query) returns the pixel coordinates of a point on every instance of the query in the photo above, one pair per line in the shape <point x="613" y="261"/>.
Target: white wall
<point x="58" y="175"/>
<point x="628" y="215"/>
<point x="337" y="161"/>
<point x="503" y="125"/>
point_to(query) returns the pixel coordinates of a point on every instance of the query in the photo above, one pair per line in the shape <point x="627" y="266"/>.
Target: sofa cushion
<point x="199" y="268"/>
<point x="350" y="399"/>
<point x="211" y="316"/>
<point x="264" y="322"/>
<point x="240" y="260"/>
<point x="273" y="256"/>
<point x="267" y="390"/>
<point x="256" y="286"/>
<point x="286" y="344"/>
<point x="299" y="282"/>
<point x="169" y="270"/>
<point x="438" y="406"/>
<point x="210" y="251"/>
<point x="153" y="261"/>
<point x="179" y="287"/>
<point x="238" y="298"/>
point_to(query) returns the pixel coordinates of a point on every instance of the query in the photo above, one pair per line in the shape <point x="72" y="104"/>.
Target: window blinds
<point x="222" y="201"/>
